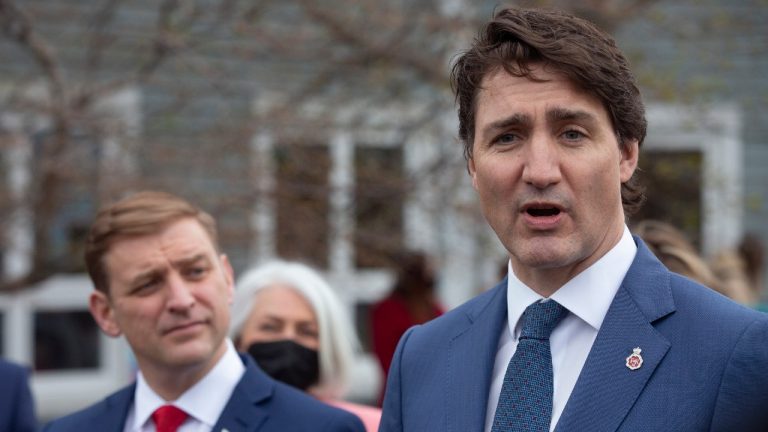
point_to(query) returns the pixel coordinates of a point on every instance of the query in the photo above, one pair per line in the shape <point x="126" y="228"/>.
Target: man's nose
<point x="180" y="295"/>
<point x="542" y="163"/>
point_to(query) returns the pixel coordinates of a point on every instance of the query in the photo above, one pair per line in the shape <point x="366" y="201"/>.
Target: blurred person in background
<point x="161" y="281"/>
<point x="752" y="252"/>
<point x="742" y="269"/>
<point x="17" y="408"/>
<point x="411" y="302"/>
<point x="728" y="272"/>
<point x="287" y="317"/>
<point x="677" y="253"/>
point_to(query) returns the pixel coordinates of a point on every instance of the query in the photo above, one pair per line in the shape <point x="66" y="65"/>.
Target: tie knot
<point x="168" y="418"/>
<point x="540" y="318"/>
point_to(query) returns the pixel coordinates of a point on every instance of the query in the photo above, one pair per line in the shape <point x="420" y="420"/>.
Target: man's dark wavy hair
<point x="515" y="39"/>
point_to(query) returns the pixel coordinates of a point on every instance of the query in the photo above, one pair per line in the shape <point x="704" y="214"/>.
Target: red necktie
<point x="168" y="418"/>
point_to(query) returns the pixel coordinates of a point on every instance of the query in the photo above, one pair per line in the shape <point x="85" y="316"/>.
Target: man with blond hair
<point x="162" y="282"/>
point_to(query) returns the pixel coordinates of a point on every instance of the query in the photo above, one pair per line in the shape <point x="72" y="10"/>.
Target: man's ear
<point x="104" y="314"/>
<point x="472" y="171"/>
<point x="229" y="276"/>
<point x="630" y="153"/>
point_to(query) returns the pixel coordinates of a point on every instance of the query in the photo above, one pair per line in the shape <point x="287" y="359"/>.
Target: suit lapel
<point x="471" y="355"/>
<point x="607" y="388"/>
<point x="116" y="408"/>
<point x="244" y="410"/>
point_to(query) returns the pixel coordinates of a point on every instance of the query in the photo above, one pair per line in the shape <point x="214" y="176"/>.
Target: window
<point x="50" y="328"/>
<point x="673" y="190"/>
<point x="302" y="202"/>
<point x="338" y="201"/>
<point x="15" y="219"/>
<point x="65" y="340"/>
<point x="697" y="152"/>
<point x="379" y="197"/>
<point x="302" y="196"/>
<point x="363" y="325"/>
<point x="95" y="157"/>
<point x="78" y="175"/>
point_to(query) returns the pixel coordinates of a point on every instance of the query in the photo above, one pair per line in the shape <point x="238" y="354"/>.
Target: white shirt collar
<point x="588" y="295"/>
<point x="204" y="401"/>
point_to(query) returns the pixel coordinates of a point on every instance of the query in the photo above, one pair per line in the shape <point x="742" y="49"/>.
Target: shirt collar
<point x="588" y="295"/>
<point x="204" y="401"/>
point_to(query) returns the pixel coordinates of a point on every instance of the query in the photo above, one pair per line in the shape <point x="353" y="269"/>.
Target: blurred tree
<point x="214" y="76"/>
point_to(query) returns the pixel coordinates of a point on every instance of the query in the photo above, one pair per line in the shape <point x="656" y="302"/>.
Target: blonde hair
<point x="730" y="267"/>
<point x="139" y="214"/>
<point x="676" y="252"/>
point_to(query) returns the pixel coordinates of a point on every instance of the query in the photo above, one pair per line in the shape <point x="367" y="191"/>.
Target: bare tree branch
<point x="166" y="43"/>
<point x="17" y="26"/>
<point x="388" y="49"/>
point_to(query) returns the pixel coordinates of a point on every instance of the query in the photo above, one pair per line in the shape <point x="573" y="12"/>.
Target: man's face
<point x="169" y="295"/>
<point x="548" y="170"/>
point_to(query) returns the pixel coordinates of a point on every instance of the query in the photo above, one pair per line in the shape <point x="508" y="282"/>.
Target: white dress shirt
<point x="204" y="401"/>
<point x="587" y="297"/>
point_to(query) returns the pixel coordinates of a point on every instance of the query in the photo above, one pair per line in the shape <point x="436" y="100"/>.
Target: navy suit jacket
<point x="258" y="403"/>
<point x="17" y="410"/>
<point x="705" y="363"/>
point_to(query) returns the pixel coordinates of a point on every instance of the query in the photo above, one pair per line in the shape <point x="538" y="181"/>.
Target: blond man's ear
<point x="103" y="313"/>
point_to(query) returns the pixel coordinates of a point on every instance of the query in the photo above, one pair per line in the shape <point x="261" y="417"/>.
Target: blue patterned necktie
<point x="525" y="401"/>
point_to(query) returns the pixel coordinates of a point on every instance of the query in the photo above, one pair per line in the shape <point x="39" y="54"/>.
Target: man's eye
<point x="506" y="138"/>
<point x="573" y="135"/>
<point x="195" y="272"/>
<point x="146" y="286"/>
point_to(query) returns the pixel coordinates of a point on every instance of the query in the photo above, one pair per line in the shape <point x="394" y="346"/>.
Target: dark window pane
<point x="673" y="189"/>
<point x="302" y="197"/>
<point x="379" y="195"/>
<point x="69" y="192"/>
<point x="66" y="340"/>
<point x="363" y="325"/>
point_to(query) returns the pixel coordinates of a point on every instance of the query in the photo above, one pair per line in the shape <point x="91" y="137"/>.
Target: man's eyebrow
<point x="565" y="114"/>
<point x="190" y="260"/>
<point x="146" y="276"/>
<point x="516" y="119"/>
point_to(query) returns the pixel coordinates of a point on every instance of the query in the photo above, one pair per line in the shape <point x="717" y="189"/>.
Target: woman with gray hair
<point x="287" y="317"/>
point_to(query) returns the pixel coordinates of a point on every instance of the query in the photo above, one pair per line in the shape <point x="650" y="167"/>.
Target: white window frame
<point x="122" y="113"/>
<point x="347" y="132"/>
<point x="715" y="131"/>
<point x="52" y="390"/>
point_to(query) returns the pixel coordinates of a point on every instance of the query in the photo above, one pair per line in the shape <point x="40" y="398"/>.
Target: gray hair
<point x="337" y="338"/>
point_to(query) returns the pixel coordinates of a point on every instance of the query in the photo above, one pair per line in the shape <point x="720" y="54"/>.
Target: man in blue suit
<point x="589" y="331"/>
<point x="17" y="408"/>
<point x="163" y="284"/>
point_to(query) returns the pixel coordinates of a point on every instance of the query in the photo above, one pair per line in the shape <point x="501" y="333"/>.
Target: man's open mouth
<point x="542" y="211"/>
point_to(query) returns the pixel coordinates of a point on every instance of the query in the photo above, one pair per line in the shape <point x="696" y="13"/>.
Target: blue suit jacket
<point x="705" y="363"/>
<point x="17" y="410"/>
<point x="258" y="403"/>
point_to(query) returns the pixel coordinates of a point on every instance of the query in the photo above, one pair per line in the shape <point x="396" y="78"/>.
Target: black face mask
<point x="287" y="361"/>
